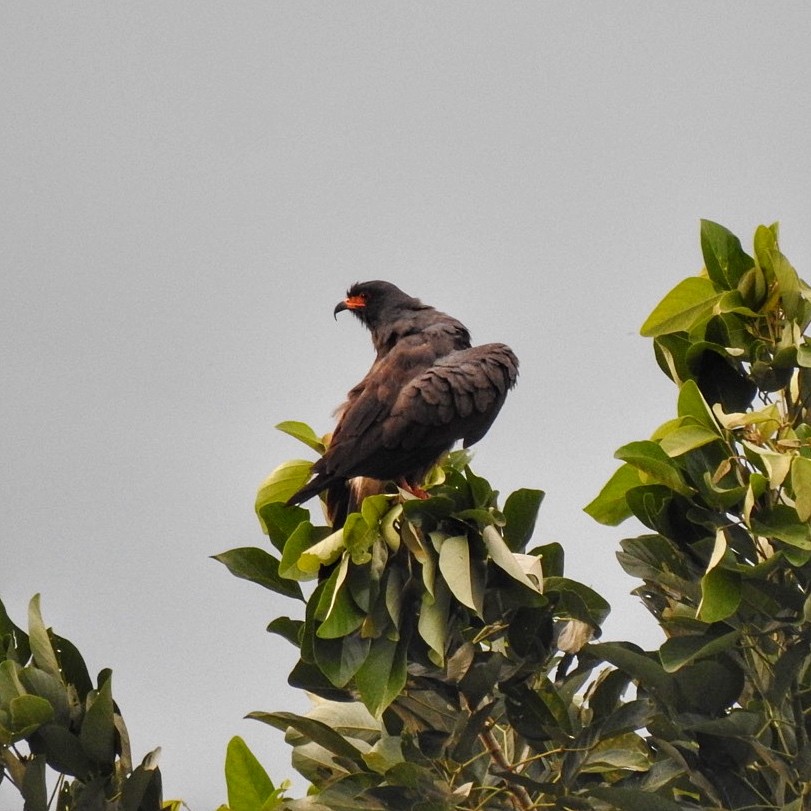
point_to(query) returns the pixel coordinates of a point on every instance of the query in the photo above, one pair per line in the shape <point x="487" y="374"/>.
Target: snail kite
<point x="427" y="388"/>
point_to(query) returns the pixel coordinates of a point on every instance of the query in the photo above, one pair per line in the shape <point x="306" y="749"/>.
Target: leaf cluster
<point x="725" y="489"/>
<point x="440" y="650"/>
<point x="48" y="702"/>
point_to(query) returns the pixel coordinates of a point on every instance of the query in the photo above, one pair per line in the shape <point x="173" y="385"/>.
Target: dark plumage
<point x="426" y="389"/>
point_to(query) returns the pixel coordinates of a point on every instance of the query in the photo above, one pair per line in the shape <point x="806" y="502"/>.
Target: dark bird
<point x="427" y="388"/>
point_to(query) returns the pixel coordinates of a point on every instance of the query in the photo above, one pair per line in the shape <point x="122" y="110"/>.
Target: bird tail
<point x="320" y="482"/>
<point x="342" y="496"/>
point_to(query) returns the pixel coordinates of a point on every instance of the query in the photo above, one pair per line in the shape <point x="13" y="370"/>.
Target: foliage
<point x="439" y="650"/>
<point x="726" y="492"/>
<point x="451" y="668"/>
<point x="48" y="702"/>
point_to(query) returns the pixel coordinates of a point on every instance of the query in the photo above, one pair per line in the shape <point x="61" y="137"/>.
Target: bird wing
<point x="457" y="397"/>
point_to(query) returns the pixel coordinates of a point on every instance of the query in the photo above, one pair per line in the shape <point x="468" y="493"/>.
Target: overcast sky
<point x="186" y="191"/>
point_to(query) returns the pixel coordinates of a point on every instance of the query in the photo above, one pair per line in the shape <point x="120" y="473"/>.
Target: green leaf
<point x="504" y="558"/>
<point x="577" y="601"/>
<point x="691" y="403"/>
<point x="283" y="483"/>
<point x="258" y="566"/>
<point x="313" y="730"/>
<point x="41" y="647"/>
<point x="628" y="752"/>
<point x="382" y="677"/>
<point x="323" y="553"/>
<point x="720" y="595"/>
<point x="432" y="623"/>
<point x="783" y="523"/>
<point x="801" y="485"/>
<point x="279" y="521"/>
<point x="358" y="537"/>
<point x="639" y="665"/>
<point x="520" y="513"/>
<point x="97" y="734"/>
<point x="788" y="282"/>
<point x="142" y="790"/>
<point x="690" y="301"/>
<point x="724" y="258"/>
<point x="302" y="432"/>
<point x="73" y="669"/>
<point x="34" y="788"/>
<point x="64" y="751"/>
<point x="28" y="713"/>
<point x="343" y="615"/>
<point x="339" y="659"/>
<point x="655" y="465"/>
<point x="304" y="536"/>
<point x="687" y="438"/>
<point x="610" y="507"/>
<point x="454" y="564"/>
<point x="249" y="786"/>
<point x="286" y="628"/>
<point x="679" y="651"/>
<point x="17" y="638"/>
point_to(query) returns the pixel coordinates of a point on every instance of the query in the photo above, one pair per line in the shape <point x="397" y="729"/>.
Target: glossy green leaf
<point x="687" y="303"/>
<point x="314" y="730"/>
<point x="691" y="403"/>
<point x="432" y="623"/>
<point x="97" y="734"/>
<point x="454" y="564"/>
<point x="302" y="432"/>
<point x="65" y="751"/>
<point x="521" y="512"/>
<point x="343" y="616"/>
<point x="506" y="560"/>
<point x="382" y="676"/>
<point x="283" y="482"/>
<point x="323" y="553"/>
<point x="73" y="670"/>
<point x="610" y="507"/>
<point x="358" y="538"/>
<point x="249" y="787"/>
<point x="789" y="284"/>
<point x="142" y="790"/>
<point x="304" y="536"/>
<point x="279" y="521"/>
<point x="34" y="789"/>
<point x="286" y="628"/>
<point x="679" y="651"/>
<point x="627" y="752"/>
<point x="687" y="438"/>
<point x="577" y="601"/>
<point x="724" y="258"/>
<point x="801" y="485"/>
<point x="41" y="648"/>
<point x="783" y="523"/>
<point x="258" y="566"/>
<point x="639" y="665"/>
<point x="655" y="465"/>
<point x="339" y="659"/>
<point x="720" y="595"/>
<point x="28" y="712"/>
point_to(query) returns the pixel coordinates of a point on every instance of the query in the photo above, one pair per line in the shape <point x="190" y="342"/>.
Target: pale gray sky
<point x="186" y="190"/>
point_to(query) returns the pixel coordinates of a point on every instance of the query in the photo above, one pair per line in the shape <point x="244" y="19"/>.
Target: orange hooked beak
<point x="349" y="303"/>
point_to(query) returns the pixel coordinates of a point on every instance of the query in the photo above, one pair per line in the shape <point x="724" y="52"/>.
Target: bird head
<point x="376" y="303"/>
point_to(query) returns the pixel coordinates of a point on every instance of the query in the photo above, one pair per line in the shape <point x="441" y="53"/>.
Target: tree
<point x="49" y="707"/>
<point x="452" y="668"/>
